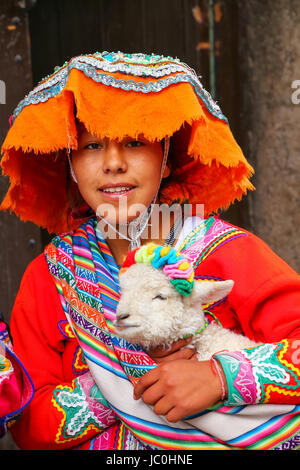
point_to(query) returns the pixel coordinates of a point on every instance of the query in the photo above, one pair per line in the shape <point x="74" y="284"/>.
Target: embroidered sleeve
<point x="82" y="408"/>
<point x="268" y="373"/>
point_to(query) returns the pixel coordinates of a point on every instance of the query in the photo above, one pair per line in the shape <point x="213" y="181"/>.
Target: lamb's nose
<point x="123" y="316"/>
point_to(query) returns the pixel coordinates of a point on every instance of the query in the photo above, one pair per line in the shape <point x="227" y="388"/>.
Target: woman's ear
<point x="166" y="172"/>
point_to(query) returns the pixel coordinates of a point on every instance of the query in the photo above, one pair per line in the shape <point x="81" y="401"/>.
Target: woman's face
<point x="117" y="178"/>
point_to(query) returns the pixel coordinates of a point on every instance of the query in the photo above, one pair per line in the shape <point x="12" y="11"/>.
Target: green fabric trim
<point x="198" y="331"/>
<point x="231" y="369"/>
<point x="198" y="233"/>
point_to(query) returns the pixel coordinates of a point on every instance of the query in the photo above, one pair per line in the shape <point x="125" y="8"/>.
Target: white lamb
<point x="151" y="313"/>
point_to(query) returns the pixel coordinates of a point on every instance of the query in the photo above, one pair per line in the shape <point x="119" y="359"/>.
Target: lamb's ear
<point x="206" y="292"/>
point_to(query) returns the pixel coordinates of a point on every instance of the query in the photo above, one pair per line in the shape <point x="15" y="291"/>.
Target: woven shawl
<point x="86" y="277"/>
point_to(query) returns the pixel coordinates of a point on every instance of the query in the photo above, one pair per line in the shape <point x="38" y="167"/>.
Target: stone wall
<point x="269" y="62"/>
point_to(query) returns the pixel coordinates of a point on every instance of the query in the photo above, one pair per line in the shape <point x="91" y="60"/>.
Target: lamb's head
<point x="160" y="300"/>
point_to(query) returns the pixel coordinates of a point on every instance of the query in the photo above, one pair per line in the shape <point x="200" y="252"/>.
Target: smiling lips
<point x="117" y="190"/>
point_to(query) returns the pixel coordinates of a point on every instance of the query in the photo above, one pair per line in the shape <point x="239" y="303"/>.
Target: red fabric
<point x="129" y="260"/>
<point x="264" y="304"/>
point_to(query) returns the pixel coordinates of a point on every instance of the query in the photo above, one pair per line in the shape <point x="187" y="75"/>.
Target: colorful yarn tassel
<point x="177" y="269"/>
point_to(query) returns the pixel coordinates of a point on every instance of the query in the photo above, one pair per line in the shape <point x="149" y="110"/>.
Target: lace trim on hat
<point x="156" y="66"/>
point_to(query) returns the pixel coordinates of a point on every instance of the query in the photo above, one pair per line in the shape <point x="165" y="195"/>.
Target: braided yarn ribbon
<point x="174" y="265"/>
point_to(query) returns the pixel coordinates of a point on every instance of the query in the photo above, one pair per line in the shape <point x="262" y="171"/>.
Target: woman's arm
<point x="266" y="305"/>
<point x="270" y="372"/>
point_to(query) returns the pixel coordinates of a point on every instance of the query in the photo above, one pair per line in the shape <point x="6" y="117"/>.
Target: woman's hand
<point x="177" y="351"/>
<point x="180" y="388"/>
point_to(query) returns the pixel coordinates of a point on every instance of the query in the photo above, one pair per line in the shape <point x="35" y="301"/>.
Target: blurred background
<point x="248" y="55"/>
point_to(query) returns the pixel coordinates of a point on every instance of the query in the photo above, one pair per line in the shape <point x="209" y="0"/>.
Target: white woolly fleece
<point x="152" y="313"/>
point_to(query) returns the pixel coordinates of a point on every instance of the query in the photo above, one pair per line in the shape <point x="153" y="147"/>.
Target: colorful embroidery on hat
<point x="140" y="65"/>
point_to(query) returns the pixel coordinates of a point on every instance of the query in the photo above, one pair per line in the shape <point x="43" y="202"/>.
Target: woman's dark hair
<point x="73" y="195"/>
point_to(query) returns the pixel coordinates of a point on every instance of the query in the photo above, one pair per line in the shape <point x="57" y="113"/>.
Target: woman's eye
<point x="135" y="143"/>
<point x="159" y="297"/>
<point x="93" y="146"/>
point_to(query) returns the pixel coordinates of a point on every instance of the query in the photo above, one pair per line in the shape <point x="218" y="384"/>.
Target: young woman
<point x="91" y="152"/>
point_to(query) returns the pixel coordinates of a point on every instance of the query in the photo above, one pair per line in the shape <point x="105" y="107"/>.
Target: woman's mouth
<point x="115" y="191"/>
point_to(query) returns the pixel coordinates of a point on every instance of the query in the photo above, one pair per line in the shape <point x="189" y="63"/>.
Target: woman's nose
<point x="114" y="160"/>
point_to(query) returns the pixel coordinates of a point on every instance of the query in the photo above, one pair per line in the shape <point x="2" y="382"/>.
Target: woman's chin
<point x="119" y="219"/>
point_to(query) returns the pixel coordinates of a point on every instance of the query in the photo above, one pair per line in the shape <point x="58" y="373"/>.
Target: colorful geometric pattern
<point x="5" y="366"/>
<point x="81" y="412"/>
<point x="264" y="374"/>
<point x="4" y="335"/>
<point x="79" y="365"/>
<point x="65" y="329"/>
<point x="86" y="276"/>
<point x="207" y="237"/>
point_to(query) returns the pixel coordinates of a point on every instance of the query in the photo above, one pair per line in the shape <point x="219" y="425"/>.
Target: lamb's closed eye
<point x="159" y="297"/>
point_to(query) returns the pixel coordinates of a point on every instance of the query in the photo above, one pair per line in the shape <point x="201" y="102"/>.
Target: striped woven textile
<point x="86" y="277"/>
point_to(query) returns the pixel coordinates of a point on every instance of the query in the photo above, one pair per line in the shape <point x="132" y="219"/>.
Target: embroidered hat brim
<point x="116" y="95"/>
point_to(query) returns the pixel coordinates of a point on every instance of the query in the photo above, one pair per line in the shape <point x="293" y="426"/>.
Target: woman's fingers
<point x="163" y="406"/>
<point x="153" y="394"/>
<point x="178" y="350"/>
<point x="178" y="389"/>
<point x="145" y="382"/>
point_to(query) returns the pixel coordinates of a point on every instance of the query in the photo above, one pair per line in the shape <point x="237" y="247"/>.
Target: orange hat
<point x="115" y="95"/>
